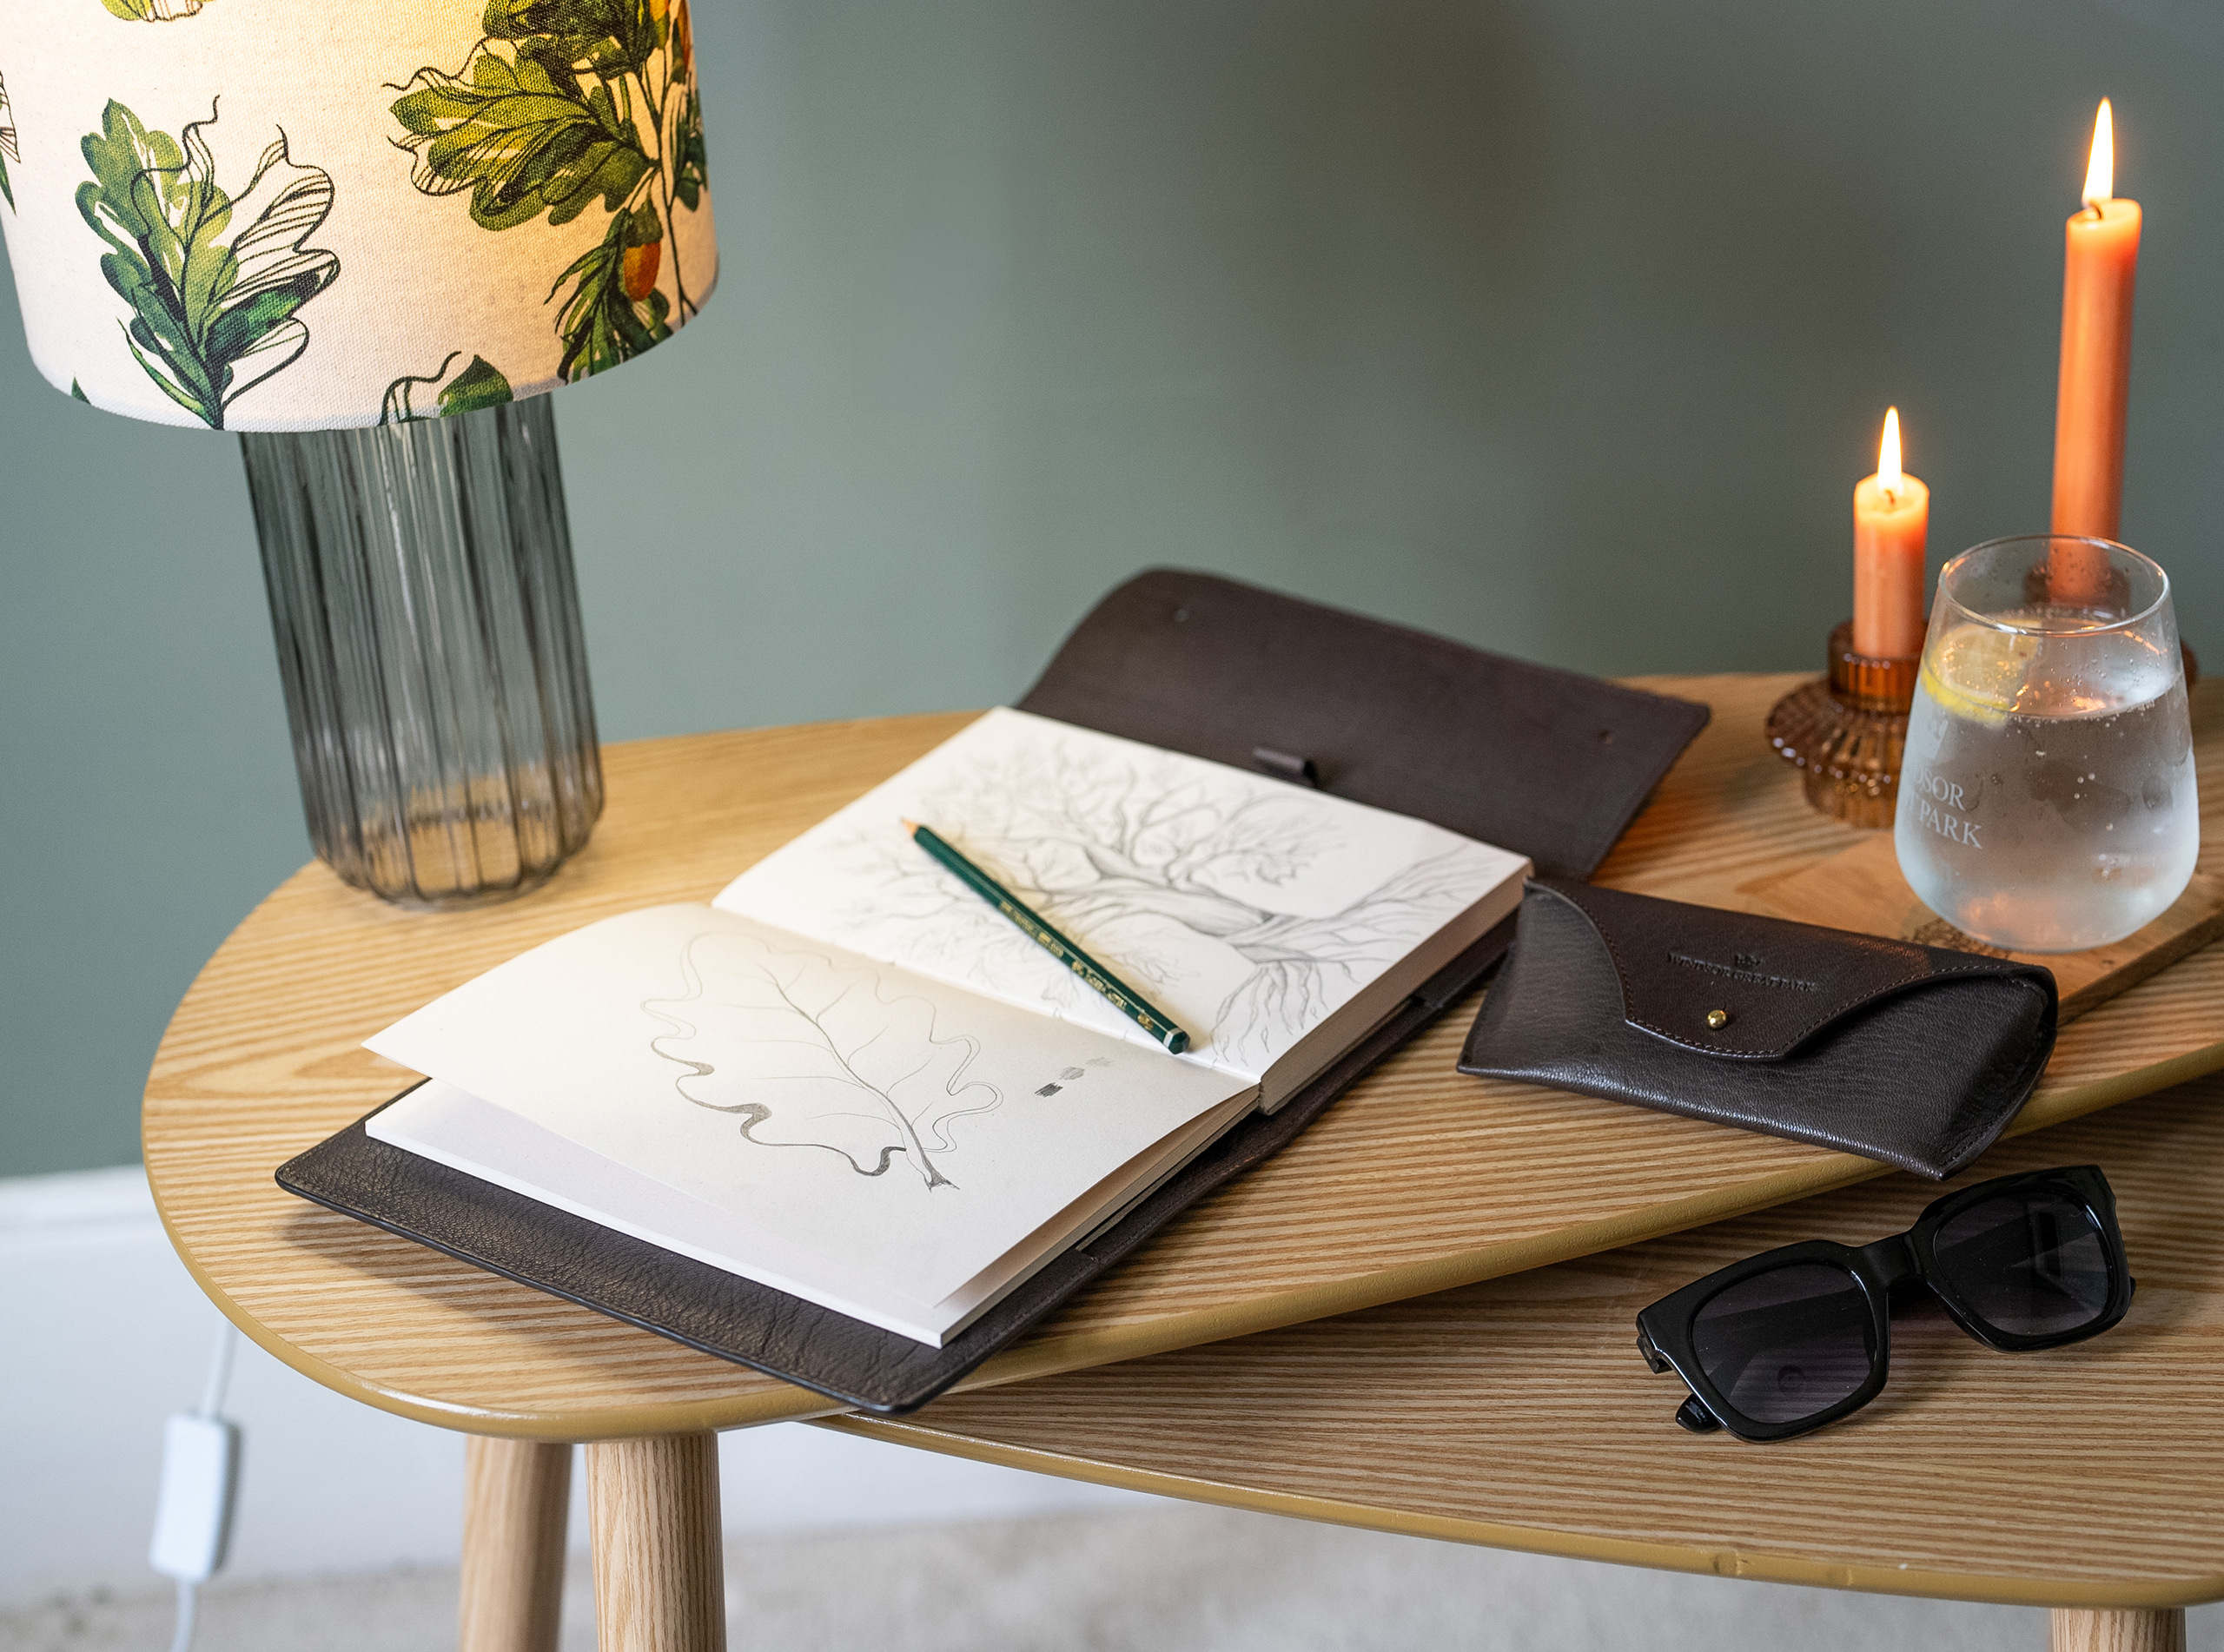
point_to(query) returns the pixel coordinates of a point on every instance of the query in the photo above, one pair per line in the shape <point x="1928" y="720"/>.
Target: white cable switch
<point x="193" y="1514"/>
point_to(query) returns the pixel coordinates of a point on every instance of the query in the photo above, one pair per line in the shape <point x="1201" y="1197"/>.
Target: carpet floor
<point x="1177" y="1577"/>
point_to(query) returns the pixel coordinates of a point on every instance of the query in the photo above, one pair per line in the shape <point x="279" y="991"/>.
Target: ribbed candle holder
<point x="1846" y="733"/>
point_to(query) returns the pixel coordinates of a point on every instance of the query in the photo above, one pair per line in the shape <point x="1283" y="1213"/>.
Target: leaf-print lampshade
<point x="295" y="214"/>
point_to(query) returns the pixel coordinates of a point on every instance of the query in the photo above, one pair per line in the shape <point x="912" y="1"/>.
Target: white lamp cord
<point x="212" y="1401"/>
<point x="220" y="1369"/>
<point x="181" y="1639"/>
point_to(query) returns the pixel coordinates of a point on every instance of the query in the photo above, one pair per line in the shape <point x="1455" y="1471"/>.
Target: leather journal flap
<point x="1545" y="762"/>
<point x="1753" y="988"/>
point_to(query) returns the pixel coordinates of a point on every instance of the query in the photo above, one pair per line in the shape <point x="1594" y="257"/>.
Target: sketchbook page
<point x="904" y="1130"/>
<point x="438" y="1121"/>
<point x="1247" y="908"/>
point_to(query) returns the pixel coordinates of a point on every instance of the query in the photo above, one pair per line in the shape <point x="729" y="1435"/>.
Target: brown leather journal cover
<point x="1546" y="763"/>
<point x="1907" y="1054"/>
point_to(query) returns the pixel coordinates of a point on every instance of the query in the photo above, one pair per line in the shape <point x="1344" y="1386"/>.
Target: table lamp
<point x="370" y="238"/>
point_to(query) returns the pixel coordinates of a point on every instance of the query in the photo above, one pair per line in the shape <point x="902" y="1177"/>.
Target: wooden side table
<point x="1417" y="1181"/>
<point x="1518" y="1414"/>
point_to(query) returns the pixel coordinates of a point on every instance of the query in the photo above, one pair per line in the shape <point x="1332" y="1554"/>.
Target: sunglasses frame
<point x="1665" y="1328"/>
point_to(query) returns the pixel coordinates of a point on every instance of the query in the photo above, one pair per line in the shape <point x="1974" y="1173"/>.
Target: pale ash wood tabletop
<point x="1416" y="1182"/>
<point x="1518" y="1414"/>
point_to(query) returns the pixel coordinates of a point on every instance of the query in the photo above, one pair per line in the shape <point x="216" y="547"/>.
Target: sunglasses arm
<point x="1692" y="1414"/>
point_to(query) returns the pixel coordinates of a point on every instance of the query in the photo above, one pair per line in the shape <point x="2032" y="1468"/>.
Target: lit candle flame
<point x="2101" y="170"/>
<point x="1887" y="455"/>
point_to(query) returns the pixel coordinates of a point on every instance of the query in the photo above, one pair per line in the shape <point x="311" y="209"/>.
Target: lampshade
<point x="272" y="214"/>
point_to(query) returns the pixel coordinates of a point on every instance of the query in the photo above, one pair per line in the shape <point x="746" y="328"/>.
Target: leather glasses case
<point x="1910" y="1054"/>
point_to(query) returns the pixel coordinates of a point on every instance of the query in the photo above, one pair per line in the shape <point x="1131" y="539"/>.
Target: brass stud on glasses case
<point x="1718" y="1019"/>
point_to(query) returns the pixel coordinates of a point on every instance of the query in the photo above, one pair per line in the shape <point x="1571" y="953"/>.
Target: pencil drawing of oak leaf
<point x="1161" y="873"/>
<point x="562" y="106"/>
<point x="805" y="1053"/>
<point x="210" y="319"/>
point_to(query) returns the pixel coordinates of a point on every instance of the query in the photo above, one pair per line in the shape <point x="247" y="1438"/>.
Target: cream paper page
<point x="910" y="1133"/>
<point x="1247" y="908"/>
<point x="437" y="1120"/>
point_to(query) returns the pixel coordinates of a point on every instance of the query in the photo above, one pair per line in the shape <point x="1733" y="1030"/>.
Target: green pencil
<point x="1124" y="998"/>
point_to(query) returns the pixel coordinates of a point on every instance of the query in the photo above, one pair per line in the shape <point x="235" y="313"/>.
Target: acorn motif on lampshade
<point x="278" y="214"/>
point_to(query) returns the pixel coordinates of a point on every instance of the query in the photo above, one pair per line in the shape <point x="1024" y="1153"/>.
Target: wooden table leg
<point x="516" y="1495"/>
<point x="659" y="1571"/>
<point x="2080" y="1631"/>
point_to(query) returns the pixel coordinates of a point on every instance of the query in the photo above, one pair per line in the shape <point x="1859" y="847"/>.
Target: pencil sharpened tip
<point x="910" y="825"/>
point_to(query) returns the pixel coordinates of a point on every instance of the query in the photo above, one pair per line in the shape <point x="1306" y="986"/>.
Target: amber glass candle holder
<point x="1846" y="732"/>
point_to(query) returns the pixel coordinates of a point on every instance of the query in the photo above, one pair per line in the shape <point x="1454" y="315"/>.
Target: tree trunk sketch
<point x="1110" y="847"/>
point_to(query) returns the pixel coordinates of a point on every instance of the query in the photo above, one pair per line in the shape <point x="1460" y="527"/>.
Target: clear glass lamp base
<point x="428" y="635"/>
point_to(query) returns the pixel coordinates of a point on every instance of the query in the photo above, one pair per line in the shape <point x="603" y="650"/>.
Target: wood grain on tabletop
<point x="1518" y="1412"/>
<point x="1417" y="1180"/>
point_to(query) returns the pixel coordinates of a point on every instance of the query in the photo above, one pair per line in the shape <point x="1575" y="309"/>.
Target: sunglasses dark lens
<point x="2031" y="1264"/>
<point x="1787" y="1344"/>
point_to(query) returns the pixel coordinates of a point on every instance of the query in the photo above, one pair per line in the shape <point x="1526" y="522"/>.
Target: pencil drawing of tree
<point x="1120" y="850"/>
<point x="805" y="1053"/>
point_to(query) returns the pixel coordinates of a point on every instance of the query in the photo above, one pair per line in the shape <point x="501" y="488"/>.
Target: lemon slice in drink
<point x="1977" y="673"/>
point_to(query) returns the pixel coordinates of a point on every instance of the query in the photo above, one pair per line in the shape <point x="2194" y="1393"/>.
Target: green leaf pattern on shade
<point x="511" y="136"/>
<point x="615" y="310"/>
<point x="565" y="105"/>
<point x="154" y="10"/>
<point x="481" y="385"/>
<point x="8" y="149"/>
<point x="210" y="320"/>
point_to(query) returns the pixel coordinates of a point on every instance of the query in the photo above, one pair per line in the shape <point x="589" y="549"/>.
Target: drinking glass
<point x="2046" y="801"/>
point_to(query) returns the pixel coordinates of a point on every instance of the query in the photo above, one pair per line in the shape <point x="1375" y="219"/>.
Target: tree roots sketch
<point x="805" y="1053"/>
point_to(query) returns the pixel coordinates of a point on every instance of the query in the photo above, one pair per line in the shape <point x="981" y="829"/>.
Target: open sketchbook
<point x="851" y="1080"/>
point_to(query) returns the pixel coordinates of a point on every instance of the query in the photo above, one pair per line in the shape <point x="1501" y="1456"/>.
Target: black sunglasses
<point x="1795" y="1337"/>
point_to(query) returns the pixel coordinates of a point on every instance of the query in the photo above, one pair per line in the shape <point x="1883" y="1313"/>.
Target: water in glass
<point x="2047" y="803"/>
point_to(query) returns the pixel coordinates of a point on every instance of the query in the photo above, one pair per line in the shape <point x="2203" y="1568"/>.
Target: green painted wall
<point x="1560" y="326"/>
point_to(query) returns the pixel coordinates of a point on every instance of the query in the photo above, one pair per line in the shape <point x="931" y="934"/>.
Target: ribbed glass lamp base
<point x="428" y="634"/>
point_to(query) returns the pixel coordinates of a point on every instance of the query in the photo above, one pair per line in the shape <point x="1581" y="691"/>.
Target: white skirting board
<point x="106" y="1335"/>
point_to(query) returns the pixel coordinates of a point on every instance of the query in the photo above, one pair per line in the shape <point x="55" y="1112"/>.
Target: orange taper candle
<point x="2100" y="264"/>
<point x="1891" y="518"/>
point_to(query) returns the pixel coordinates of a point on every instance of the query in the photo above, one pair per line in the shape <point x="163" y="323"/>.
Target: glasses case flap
<point x="1913" y="1055"/>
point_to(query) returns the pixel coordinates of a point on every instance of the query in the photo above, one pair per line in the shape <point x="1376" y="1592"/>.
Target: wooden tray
<point x="1860" y="888"/>
<point x="1418" y="1180"/>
